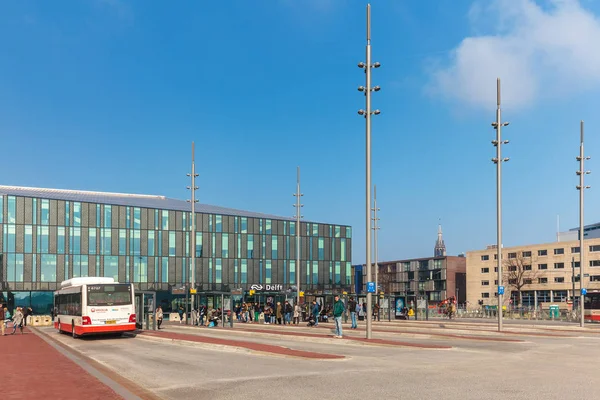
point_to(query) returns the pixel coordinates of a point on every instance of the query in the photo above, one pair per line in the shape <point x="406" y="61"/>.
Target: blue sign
<point x="370" y="287"/>
<point x="584" y="291"/>
<point x="500" y="289"/>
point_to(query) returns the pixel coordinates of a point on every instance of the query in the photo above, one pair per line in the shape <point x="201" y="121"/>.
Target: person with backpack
<point x="338" y="311"/>
<point x="18" y="321"/>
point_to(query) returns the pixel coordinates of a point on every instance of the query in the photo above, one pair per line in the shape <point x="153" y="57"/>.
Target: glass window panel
<point x="1" y="209"/>
<point x="137" y="219"/>
<point x="250" y="246"/>
<point x="140" y="269"/>
<point x="214" y="245"/>
<point x="75" y="240"/>
<point x="165" y="270"/>
<point x="239" y="246"/>
<point x="218" y="271"/>
<point x="348" y="232"/>
<point x="135" y="242"/>
<point x="219" y="223"/>
<point x="76" y="214"/>
<point x="235" y="271"/>
<point x="235" y="224"/>
<point x="12" y="210"/>
<point x="171" y="243"/>
<point x="338" y="231"/>
<point x="315" y="229"/>
<point x="307" y="272"/>
<point x="45" y="217"/>
<point x="315" y="272"/>
<point x="244" y="271"/>
<point x="67" y="212"/>
<point x="338" y="278"/>
<point x="60" y="244"/>
<point x="155" y="219"/>
<point x="48" y="268"/>
<point x="292" y="228"/>
<point x="198" y="244"/>
<point x="274" y="247"/>
<point x="321" y="249"/>
<point x="107" y="241"/>
<point x="150" y="243"/>
<point x="268" y="271"/>
<point x="165" y="220"/>
<point x="123" y="242"/>
<point x="34" y="269"/>
<point x="343" y="250"/>
<point x="29" y="238"/>
<point x="128" y="217"/>
<point x="348" y="273"/>
<point x="91" y="240"/>
<point x="67" y="276"/>
<point x="244" y="225"/>
<point x="43" y="239"/>
<point x="111" y="267"/>
<point x="263" y="246"/>
<point x="9" y="239"/>
<point x="225" y="245"/>
<point x="98" y="214"/>
<point x="107" y="216"/>
<point x="269" y="228"/>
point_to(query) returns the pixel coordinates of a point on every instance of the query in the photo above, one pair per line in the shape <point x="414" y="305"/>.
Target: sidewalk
<point x="32" y="369"/>
<point x="249" y="345"/>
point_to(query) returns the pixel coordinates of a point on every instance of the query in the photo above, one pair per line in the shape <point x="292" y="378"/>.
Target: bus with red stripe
<point x="94" y="305"/>
<point x="591" y="306"/>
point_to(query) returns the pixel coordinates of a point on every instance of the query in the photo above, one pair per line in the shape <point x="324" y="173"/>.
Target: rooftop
<point x="124" y="199"/>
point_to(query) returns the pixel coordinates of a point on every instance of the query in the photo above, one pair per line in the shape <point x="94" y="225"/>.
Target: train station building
<point x="50" y="235"/>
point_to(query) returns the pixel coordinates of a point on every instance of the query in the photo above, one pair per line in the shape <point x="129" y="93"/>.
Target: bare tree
<point x="386" y="278"/>
<point x="519" y="273"/>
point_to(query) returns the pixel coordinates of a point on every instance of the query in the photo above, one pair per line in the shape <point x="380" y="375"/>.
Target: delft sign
<point x="266" y="288"/>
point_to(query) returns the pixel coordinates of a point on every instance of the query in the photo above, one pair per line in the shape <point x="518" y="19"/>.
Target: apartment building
<point x="533" y="275"/>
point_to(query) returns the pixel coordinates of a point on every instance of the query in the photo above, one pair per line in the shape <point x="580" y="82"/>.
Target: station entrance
<point x="145" y="305"/>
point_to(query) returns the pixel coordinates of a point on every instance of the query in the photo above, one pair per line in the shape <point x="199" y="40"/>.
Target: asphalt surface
<point x="555" y="365"/>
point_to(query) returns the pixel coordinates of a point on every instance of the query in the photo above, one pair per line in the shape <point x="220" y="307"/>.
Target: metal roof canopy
<point x="133" y="200"/>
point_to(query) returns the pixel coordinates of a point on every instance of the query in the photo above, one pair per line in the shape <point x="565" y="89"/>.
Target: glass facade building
<point x="50" y="235"/>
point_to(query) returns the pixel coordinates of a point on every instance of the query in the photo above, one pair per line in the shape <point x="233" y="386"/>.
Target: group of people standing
<point x="269" y="313"/>
<point x="18" y="318"/>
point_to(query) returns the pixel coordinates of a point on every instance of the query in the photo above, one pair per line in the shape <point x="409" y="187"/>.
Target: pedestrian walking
<point x="257" y="311"/>
<point x="27" y="311"/>
<point x="338" y="311"/>
<point x="180" y="312"/>
<point x="297" y="312"/>
<point x="288" y="313"/>
<point x="18" y="321"/>
<point x="159" y="316"/>
<point x="353" y="307"/>
<point x="315" y="312"/>
<point x="279" y="312"/>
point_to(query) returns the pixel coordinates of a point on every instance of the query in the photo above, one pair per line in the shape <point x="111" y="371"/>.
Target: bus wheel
<point x="73" y="331"/>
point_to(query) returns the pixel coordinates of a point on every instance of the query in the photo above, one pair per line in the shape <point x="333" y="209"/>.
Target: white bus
<point x="91" y="305"/>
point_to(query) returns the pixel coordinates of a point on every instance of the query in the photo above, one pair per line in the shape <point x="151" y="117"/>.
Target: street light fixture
<point x="367" y="114"/>
<point x="298" y="206"/>
<point x="581" y="187"/>
<point x="193" y="201"/>
<point x="498" y="160"/>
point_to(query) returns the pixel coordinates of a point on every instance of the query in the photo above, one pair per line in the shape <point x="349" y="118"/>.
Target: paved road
<point x="539" y="367"/>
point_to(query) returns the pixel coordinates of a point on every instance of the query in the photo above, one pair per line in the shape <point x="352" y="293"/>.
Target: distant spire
<point x="440" y="246"/>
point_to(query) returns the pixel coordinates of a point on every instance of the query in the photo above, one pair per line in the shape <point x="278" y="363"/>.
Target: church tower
<point x="440" y="247"/>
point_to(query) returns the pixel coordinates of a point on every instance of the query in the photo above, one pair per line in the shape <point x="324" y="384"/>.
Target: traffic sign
<point x="584" y="291"/>
<point x="500" y="289"/>
<point x="370" y="287"/>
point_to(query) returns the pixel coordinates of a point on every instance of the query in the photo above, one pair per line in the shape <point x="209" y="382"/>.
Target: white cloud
<point x="537" y="52"/>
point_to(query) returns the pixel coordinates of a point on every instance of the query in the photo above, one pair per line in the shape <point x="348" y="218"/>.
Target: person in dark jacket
<point x="26" y="312"/>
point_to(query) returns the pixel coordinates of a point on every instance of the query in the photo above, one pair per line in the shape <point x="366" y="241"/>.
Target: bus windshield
<point x="109" y="295"/>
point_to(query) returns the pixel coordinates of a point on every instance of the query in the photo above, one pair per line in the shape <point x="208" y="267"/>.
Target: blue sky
<point x="108" y="95"/>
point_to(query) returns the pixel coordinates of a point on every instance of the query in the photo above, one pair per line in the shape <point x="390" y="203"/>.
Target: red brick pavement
<point x="265" y="348"/>
<point x="32" y="369"/>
